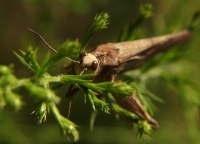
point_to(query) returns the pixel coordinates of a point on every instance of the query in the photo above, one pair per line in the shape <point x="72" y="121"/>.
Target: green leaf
<point x="70" y="49"/>
<point x="67" y="127"/>
<point x="96" y="103"/>
<point x="41" y="93"/>
<point x="144" y="128"/>
<point x="121" y="89"/>
<point x="144" y="13"/>
<point x="41" y="109"/>
<point x="100" y="22"/>
<point x="13" y="99"/>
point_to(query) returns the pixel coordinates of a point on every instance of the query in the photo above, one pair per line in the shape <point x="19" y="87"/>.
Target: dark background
<point x="59" y="20"/>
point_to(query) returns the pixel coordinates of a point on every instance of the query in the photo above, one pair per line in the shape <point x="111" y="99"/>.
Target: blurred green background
<point x="59" y="20"/>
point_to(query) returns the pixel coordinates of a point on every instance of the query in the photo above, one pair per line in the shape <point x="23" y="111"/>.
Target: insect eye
<point x="94" y="65"/>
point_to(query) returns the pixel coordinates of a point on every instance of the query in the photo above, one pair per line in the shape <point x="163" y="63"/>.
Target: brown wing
<point x="115" y="57"/>
<point x="144" y="49"/>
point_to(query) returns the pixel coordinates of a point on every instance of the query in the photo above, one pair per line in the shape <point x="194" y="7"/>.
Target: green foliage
<point x="96" y="103"/>
<point x="194" y="21"/>
<point x="100" y="22"/>
<point x="39" y="85"/>
<point x="145" y="12"/>
<point x="70" y="49"/>
<point x="46" y="101"/>
<point x="143" y="126"/>
<point x="8" y="84"/>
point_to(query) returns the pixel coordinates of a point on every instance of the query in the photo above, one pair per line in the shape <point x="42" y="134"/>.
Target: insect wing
<point x="137" y="52"/>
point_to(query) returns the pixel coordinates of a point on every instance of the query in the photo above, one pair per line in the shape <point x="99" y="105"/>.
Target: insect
<point x="107" y="60"/>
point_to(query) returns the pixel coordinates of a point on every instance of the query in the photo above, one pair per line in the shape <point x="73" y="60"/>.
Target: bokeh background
<point x="59" y="20"/>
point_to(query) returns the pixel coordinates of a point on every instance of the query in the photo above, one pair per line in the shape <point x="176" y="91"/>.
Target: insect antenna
<point x="50" y="46"/>
<point x="84" y="70"/>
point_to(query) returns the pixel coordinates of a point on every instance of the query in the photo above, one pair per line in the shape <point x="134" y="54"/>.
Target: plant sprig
<point x="100" y="22"/>
<point x="145" y="12"/>
<point x="39" y="85"/>
<point x="46" y="100"/>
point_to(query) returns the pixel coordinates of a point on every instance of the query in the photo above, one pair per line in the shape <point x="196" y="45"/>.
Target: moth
<point x="107" y="60"/>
